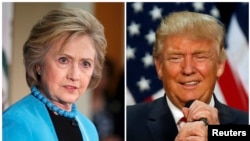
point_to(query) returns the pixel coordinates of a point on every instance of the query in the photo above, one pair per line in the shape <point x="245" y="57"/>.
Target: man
<point x="189" y="57"/>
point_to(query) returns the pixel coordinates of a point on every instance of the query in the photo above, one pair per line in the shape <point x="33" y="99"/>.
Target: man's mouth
<point x="191" y="83"/>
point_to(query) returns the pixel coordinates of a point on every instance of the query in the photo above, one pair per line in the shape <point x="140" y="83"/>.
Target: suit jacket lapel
<point x="161" y="122"/>
<point x="225" y="115"/>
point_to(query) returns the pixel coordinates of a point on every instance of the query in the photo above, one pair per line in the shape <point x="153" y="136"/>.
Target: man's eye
<point x="175" y="59"/>
<point x="201" y="57"/>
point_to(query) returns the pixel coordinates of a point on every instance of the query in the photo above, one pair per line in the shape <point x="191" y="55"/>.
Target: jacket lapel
<point x="161" y="122"/>
<point x="225" y="115"/>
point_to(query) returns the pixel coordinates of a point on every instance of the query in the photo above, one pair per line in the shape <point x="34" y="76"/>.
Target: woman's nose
<point x="74" y="72"/>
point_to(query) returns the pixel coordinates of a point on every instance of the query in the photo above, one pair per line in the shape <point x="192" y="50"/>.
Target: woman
<point x="63" y="57"/>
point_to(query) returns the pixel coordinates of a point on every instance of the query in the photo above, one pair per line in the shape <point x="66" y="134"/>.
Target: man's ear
<point x="221" y="68"/>
<point x="158" y="66"/>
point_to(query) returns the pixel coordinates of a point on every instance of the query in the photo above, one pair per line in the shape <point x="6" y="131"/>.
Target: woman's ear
<point x="38" y="69"/>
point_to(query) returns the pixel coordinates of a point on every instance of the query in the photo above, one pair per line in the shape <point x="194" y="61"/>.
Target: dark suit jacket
<point x="154" y="121"/>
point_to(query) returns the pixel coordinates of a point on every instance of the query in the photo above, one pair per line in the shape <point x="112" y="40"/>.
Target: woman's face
<point x="66" y="73"/>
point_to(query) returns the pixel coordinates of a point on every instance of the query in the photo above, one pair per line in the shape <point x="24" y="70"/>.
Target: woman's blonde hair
<point x="55" y="25"/>
<point x="195" y="25"/>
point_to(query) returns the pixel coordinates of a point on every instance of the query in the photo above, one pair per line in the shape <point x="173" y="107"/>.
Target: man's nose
<point x="188" y="66"/>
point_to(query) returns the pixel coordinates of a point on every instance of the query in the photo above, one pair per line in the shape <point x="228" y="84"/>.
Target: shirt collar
<point x="177" y="113"/>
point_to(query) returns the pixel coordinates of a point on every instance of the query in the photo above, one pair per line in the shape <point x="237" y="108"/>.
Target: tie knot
<point x="183" y="119"/>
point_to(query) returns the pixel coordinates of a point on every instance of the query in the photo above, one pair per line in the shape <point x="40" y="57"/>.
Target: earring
<point x="39" y="72"/>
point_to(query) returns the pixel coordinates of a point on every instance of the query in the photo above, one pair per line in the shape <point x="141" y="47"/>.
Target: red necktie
<point x="181" y="121"/>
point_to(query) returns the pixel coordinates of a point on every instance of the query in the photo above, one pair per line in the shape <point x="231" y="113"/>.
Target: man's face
<point x="189" y="68"/>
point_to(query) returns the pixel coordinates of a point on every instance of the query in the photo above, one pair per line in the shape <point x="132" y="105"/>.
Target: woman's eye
<point x="86" y="64"/>
<point x="63" y="60"/>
